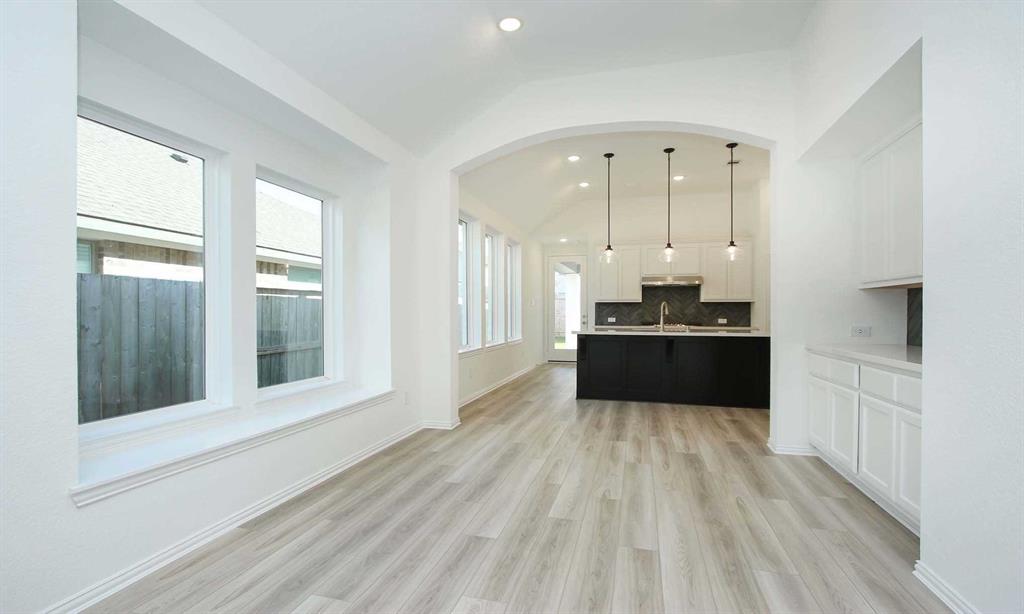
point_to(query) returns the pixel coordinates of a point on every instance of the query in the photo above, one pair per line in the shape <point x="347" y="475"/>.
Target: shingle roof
<point x="128" y="179"/>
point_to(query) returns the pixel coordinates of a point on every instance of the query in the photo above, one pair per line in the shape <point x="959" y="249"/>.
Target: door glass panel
<point x="567" y="308"/>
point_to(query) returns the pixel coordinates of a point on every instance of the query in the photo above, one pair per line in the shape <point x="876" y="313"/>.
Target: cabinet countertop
<point x="672" y="333"/>
<point x="906" y="357"/>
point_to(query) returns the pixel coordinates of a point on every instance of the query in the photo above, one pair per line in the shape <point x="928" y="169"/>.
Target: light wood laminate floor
<point x="541" y="503"/>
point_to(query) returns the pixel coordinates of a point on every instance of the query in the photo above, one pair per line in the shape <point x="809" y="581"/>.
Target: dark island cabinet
<point x="700" y="370"/>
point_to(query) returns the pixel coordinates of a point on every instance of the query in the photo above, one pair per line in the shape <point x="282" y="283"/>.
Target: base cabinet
<point x="861" y="423"/>
<point x="699" y="370"/>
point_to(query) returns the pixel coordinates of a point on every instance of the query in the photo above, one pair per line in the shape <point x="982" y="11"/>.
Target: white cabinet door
<point x="652" y="261"/>
<point x="715" y="270"/>
<point x="842" y="444"/>
<point x="630" y="265"/>
<point x="687" y="261"/>
<point x="904" y="212"/>
<point x="878" y="445"/>
<point x="819" y="412"/>
<point x="874" y="193"/>
<point x="607" y="278"/>
<point x="741" y="275"/>
<point x="908" y="462"/>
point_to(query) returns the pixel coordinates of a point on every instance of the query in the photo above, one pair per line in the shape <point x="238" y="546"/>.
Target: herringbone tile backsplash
<point x="684" y="307"/>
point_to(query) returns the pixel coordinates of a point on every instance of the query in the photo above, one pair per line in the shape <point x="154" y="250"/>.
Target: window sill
<point x="109" y="470"/>
<point x="470" y="351"/>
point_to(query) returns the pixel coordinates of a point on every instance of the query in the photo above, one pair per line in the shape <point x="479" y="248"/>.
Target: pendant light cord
<point x="668" y="186"/>
<point x="732" y="165"/>
<point x="608" y="156"/>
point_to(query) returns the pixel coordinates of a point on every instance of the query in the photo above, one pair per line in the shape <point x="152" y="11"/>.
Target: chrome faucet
<point x="663" y="311"/>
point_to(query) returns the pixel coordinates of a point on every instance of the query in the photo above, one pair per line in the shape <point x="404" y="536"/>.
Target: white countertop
<point x="897" y="356"/>
<point x="672" y="333"/>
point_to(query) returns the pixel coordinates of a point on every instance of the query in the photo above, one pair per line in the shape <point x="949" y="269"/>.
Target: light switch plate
<point x="723" y="320"/>
<point x="860" y="330"/>
<point x="611" y="319"/>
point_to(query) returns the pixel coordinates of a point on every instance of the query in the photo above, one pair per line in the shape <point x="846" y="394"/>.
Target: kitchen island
<point x="708" y="367"/>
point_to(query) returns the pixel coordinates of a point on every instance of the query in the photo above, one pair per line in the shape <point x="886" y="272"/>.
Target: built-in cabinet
<point x="725" y="280"/>
<point x="620" y="281"/>
<point x="891" y="213"/>
<point x="865" y="420"/>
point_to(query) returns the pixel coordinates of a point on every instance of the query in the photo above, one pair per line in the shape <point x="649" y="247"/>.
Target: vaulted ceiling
<point x="417" y="69"/>
<point x="533" y="184"/>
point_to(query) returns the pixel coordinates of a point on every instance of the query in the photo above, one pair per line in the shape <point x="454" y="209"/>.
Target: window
<point x="489" y="306"/>
<point x="464" y="336"/>
<point x="140" y="274"/>
<point x="514" y="292"/>
<point x="289" y="285"/>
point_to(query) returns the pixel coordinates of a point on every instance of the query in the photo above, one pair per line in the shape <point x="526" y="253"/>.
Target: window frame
<point x="513" y="291"/>
<point x="331" y="267"/>
<point x="216" y="277"/>
<point x="465" y="226"/>
<point x="497" y="278"/>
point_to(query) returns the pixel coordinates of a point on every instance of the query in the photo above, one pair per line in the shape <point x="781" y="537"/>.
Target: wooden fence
<point x="141" y="342"/>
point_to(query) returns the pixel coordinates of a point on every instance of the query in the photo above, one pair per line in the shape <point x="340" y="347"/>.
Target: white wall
<point x="482" y="369"/>
<point x="51" y="549"/>
<point x="972" y="537"/>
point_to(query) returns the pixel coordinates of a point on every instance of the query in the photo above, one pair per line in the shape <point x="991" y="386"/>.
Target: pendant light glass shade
<point x="608" y="255"/>
<point x="732" y="250"/>
<point x="668" y="254"/>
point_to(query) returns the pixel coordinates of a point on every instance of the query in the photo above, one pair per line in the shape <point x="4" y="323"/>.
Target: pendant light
<point x="608" y="255"/>
<point x="732" y="250"/>
<point x="669" y="253"/>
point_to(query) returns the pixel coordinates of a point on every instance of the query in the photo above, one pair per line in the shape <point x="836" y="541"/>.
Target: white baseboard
<point x="122" y="579"/>
<point x="441" y="424"/>
<point x="792" y="450"/>
<point x="943" y="591"/>
<point x="495" y="386"/>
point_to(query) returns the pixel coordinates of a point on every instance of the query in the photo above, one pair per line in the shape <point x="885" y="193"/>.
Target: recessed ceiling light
<point x="510" y="24"/>
<point x="584" y="184"/>
<point x="573" y="158"/>
<point x="563" y="240"/>
<point x="678" y="178"/>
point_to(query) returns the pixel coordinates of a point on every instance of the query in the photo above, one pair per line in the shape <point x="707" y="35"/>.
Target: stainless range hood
<point x="671" y="280"/>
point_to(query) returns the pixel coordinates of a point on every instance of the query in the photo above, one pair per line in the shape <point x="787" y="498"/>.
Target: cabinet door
<point x="819" y="412"/>
<point x="741" y="274"/>
<point x="715" y="270"/>
<point x="842" y="444"/>
<point x="878" y="445"/>
<point x="908" y="462"/>
<point x="629" y="273"/>
<point x="652" y="261"/>
<point x="874" y="193"/>
<point x="687" y="261"/>
<point x="607" y="281"/>
<point x="904" y="207"/>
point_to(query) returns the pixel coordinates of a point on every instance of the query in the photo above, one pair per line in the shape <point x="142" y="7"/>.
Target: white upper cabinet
<point x="629" y="273"/>
<point x="724" y="279"/>
<point x="686" y="262"/>
<point x="891" y="213"/>
<point x="620" y="280"/>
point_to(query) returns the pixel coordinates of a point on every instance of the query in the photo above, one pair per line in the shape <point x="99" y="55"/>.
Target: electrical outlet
<point x="723" y="320"/>
<point x="860" y="330"/>
<point x="611" y="319"/>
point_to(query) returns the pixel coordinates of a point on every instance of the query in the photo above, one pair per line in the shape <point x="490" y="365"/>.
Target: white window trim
<point x="216" y="263"/>
<point x="474" y="279"/>
<point x="514" y="279"/>
<point x="331" y="267"/>
<point x="497" y="275"/>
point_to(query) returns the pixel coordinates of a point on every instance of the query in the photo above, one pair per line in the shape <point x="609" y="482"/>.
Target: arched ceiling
<point x="533" y="184"/>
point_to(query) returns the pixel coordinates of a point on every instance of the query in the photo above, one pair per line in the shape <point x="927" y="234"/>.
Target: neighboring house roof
<point x="127" y="179"/>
